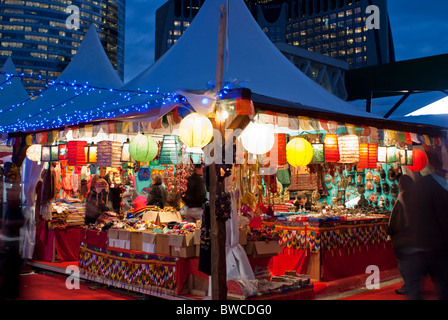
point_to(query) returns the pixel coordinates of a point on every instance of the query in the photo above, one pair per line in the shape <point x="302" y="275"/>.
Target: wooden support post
<point x="218" y="227"/>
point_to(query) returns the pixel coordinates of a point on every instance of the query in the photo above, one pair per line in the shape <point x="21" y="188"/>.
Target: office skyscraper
<point x="335" y="28"/>
<point x="35" y="34"/>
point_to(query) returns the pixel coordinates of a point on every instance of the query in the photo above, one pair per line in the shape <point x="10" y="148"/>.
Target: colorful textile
<point x="342" y="235"/>
<point x="150" y="272"/>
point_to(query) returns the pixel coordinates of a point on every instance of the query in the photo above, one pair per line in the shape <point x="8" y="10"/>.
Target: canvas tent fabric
<point x="251" y="60"/>
<point x="426" y="108"/>
<point x="60" y="105"/>
<point x="416" y="101"/>
<point x="12" y="91"/>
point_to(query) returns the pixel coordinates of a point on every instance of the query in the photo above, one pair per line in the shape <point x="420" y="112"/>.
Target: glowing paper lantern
<point x="368" y="153"/>
<point x="62" y="152"/>
<point x="54" y="153"/>
<point x="143" y="148"/>
<point x="258" y="138"/>
<point x="382" y="154"/>
<point x="331" y="148"/>
<point x="348" y="149"/>
<point x="46" y="153"/>
<point x="419" y="160"/>
<point x="34" y="152"/>
<point x="195" y="130"/>
<point x="108" y="154"/>
<point x="318" y="153"/>
<point x="76" y="153"/>
<point x="170" y="152"/>
<point x="299" y="152"/>
<point x="392" y="154"/>
<point x="373" y="155"/>
<point x="125" y="155"/>
<point x="91" y="153"/>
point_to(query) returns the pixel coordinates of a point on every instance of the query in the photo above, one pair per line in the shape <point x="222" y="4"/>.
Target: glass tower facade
<point x="35" y="34"/>
<point x="335" y="28"/>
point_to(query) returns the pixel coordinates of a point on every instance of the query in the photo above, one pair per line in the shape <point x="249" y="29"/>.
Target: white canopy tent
<point x="76" y="94"/>
<point x="251" y="60"/>
<point x="12" y="91"/>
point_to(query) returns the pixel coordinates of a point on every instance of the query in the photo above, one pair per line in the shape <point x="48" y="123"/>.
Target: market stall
<point x="344" y="162"/>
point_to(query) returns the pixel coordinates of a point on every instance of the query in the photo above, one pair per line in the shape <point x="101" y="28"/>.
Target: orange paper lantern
<point x="331" y="148"/>
<point x="368" y="153"/>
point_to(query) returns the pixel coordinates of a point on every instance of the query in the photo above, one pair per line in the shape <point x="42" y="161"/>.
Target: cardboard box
<point x="198" y="250"/>
<point x="112" y="233"/>
<point x="150" y="216"/>
<point x="124" y="234"/>
<point x="183" y="252"/>
<point x="242" y="236"/>
<point x="181" y="240"/>
<point x="162" y="244"/>
<point x="262" y="249"/>
<point x="148" y="242"/>
<point x="197" y="236"/>
<point x="136" y="240"/>
<point x="162" y="217"/>
<point x="165" y="217"/>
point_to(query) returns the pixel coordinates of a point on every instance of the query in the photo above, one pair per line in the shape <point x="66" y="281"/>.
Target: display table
<point x="60" y="244"/>
<point x="331" y="249"/>
<point x="142" y="272"/>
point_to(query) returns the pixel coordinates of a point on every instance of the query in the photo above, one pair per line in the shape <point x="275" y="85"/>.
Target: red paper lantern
<point x="419" y="160"/>
<point x="76" y="153"/>
<point x="331" y="148"/>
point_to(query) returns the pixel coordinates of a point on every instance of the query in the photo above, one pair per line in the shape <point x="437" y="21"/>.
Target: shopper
<point x="402" y="230"/>
<point x="10" y="258"/>
<point x="301" y="202"/>
<point x="432" y="230"/>
<point x="97" y="199"/>
<point x="157" y="192"/>
<point x="195" y="195"/>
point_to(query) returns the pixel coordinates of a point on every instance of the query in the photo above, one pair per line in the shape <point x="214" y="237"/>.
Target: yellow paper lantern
<point x="195" y="130"/>
<point x="299" y="152"/>
<point x="34" y="152"/>
<point x="258" y="138"/>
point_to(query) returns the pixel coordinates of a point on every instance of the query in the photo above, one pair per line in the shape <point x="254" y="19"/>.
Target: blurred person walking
<point x="11" y="261"/>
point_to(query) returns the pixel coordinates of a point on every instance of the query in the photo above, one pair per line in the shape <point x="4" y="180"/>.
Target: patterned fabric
<point x="148" y="272"/>
<point x="299" y="235"/>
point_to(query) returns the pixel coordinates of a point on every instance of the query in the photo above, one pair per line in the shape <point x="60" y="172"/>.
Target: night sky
<point x="419" y="29"/>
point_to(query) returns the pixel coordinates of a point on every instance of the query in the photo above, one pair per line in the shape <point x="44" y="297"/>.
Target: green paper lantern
<point x="170" y="152"/>
<point x="143" y="148"/>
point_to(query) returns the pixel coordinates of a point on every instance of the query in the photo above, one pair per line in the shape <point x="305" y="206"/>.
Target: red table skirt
<point x="64" y="242"/>
<point x="336" y="264"/>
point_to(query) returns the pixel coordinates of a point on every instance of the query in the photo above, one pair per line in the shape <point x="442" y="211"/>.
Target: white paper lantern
<point x="348" y="149"/>
<point x="34" y="152"/>
<point x="258" y="138"/>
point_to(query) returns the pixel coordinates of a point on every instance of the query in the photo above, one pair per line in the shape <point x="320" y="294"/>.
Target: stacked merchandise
<point x="67" y="213"/>
<point x="281" y="285"/>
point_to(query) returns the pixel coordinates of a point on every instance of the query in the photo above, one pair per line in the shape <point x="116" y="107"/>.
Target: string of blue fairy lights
<point x="105" y="109"/>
